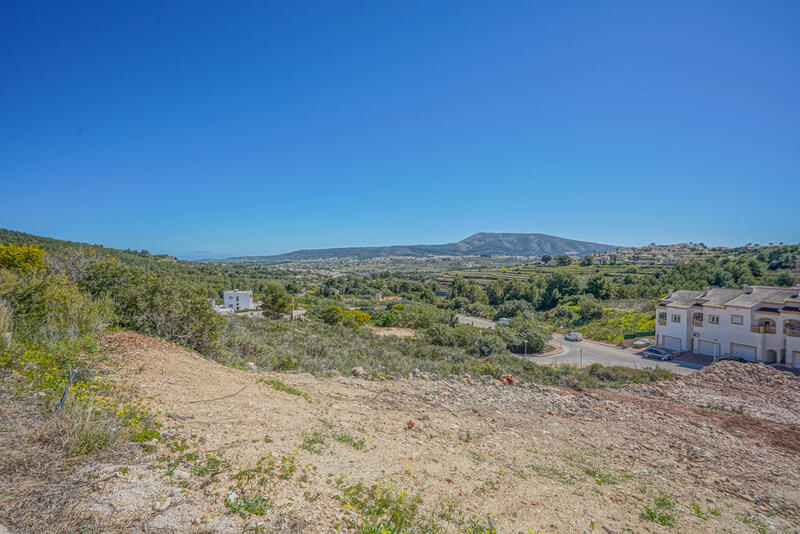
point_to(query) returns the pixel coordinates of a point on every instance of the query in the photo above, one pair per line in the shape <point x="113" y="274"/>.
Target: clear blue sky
<point x="220" y="128"/>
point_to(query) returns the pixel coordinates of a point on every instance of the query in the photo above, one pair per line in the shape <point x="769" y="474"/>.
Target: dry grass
<point x="42" y="472"/>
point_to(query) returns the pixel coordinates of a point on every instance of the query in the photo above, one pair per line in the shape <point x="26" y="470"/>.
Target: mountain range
<point x="480" y="244"/>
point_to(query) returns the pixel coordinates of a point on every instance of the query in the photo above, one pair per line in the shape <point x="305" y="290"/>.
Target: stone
<point x="610" y="530"/>
<point x="160" y="507"/>
<point x="252" y="366"/>
<point x="180" y="474"/>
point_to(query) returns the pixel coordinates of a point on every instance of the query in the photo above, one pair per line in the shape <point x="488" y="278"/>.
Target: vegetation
<point x="277" y="385"/>
<point x="328" y="350"/>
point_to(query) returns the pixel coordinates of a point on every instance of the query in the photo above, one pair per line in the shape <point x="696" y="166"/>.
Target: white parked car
<point x="642" y="343"/>
<point x="573" y="336"/>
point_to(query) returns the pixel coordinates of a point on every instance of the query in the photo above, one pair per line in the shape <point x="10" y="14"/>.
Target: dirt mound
<point x="756" y="390"/>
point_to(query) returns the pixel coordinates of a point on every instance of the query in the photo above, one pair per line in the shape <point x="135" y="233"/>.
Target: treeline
<point x="209" y="279"/>
<point x="75" y="292"/>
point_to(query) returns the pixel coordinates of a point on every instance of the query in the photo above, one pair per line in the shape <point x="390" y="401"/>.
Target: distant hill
<point x="480" y="244"/>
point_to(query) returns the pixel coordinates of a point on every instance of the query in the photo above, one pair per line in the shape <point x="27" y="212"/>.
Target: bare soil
<point x="393" y="331"/>
<point x="530" y="457"/>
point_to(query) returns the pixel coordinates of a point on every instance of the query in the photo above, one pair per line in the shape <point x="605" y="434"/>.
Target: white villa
<point x="758" y="323"/>
<point x="238" y="299"/>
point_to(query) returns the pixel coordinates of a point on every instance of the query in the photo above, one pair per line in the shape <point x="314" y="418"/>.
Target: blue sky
<point x="224" y="128"/>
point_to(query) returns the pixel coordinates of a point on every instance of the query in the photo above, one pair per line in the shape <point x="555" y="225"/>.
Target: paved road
<point x="606" y="355"/>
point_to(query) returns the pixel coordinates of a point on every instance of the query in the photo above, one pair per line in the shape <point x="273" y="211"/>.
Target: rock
<point x="180" y="474"/>
<point x="252" y="366"/>
<point x="610" y="530"/>
<point x="160" y="507"/>
<point x="410" y="425"/>
<point x="359" y="372"/>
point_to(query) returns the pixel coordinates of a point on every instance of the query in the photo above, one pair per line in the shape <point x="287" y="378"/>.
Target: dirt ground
<point x="393" y="331"/>
<point x="530" y="458"/>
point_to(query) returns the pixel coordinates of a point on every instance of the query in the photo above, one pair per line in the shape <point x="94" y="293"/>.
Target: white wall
<point x="237" y="300"/>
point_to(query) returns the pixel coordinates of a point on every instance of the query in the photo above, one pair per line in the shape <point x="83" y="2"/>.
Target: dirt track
<point x="533" y="456"/>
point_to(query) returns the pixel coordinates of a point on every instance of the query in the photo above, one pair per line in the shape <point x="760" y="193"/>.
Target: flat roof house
<point x="757" y="323"/>
<point x="238" y="299"/>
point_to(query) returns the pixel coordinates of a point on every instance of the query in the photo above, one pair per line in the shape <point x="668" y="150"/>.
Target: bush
<point x="590" y="310"/>
<point x="332" y="315"/>
<point x="159" y="306"/>
<point x="463" y="336"/>
<point x="489" y="344"/>
<point x="22" y="259"/>
<point x="390" y="318"/>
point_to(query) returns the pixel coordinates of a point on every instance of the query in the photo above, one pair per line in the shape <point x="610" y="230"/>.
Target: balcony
<point x="791" y="332"/>
<point x="662" y="322"/>
<point x="762" y="329"/>
<point x="696" y="322"/>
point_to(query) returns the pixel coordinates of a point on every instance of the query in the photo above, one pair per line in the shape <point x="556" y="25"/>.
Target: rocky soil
<point x="520" y="457"/>
<point x="756" y="390"/>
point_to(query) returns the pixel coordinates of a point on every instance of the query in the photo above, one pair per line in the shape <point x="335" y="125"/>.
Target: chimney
<point x="747" y="289"/>
<point x="705" y="291"/>
<point x="669" y="293"/>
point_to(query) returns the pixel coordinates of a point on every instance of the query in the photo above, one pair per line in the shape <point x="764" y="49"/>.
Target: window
<point x="713" y="319"/>
<point x="737" y="319"/>
<point x="676" y="318"/>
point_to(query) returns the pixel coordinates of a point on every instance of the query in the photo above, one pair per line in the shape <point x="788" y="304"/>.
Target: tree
<point x="600" y="287"/>
<point x="546" y="258"/>
<point x="495" y="291"/>
<point x="511" y="308"/>
<point x="275" y="300"/>
<point x="557" y="285"/>
<point x="519" y="331"/>
<point x="563" y="260"/>
<point x="587" y="261"/>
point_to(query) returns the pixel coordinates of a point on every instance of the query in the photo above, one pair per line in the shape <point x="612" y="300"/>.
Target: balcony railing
<point x="791" y="332"/>
<point x="696" y="322"/>
<point x="762" y="329"/>
<point x="662" y="322"/>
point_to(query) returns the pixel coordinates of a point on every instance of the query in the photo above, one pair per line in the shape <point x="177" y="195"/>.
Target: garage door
<point x="796" y="359"/>
<point x="707" y="348"/>
<point x="671" y="343"/>
<point x="743" y="351"/>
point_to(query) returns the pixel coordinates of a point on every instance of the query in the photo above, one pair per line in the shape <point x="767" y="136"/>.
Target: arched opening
<point x="791" y="327"/>
<point x="772" y="357"/>
<point x="662" y="318"/>
<point x="697" y="318"/>
<point x="764" y="325"/>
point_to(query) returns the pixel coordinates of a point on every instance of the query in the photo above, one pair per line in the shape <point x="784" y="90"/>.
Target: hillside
<point x="210" y="278"/>
<point x="480" y="244"/>
<point x="250" y="451"/>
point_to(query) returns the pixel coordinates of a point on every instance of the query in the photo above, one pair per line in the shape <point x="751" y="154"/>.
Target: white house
<point x="237" y="299"/>
<point x="758" y="323"/>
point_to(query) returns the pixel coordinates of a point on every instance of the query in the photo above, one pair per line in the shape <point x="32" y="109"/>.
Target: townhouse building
<point x="757" y="323"/>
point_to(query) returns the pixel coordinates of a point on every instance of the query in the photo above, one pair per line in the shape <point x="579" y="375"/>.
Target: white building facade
<point x="757" y="323"/>
<point x="237" y="299"/>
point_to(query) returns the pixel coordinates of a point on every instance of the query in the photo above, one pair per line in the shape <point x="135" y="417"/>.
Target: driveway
<point x="587" y="352"/>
